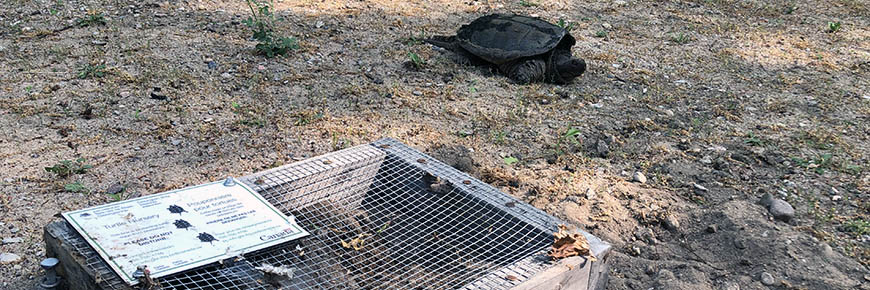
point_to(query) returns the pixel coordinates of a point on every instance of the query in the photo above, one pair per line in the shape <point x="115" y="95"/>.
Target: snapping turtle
<point x="206" y="238"/>
<point x="182" y="224"/>
<point x="176" y="209"/>
<point x="525" y="49"/>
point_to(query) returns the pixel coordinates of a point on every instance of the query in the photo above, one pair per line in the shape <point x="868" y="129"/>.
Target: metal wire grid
<point x="472" y="237"/>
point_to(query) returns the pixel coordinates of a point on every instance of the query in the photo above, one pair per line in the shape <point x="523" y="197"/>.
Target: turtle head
<point x="569" y="68"/>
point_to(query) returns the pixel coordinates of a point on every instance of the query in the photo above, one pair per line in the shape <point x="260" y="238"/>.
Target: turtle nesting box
<point x="376" y="221"/>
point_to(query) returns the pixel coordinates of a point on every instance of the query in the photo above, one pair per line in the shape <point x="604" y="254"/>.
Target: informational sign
<point x="178" y="230"/>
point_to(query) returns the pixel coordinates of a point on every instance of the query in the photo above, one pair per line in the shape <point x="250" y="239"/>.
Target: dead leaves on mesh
<point x="356" y="243"/>
<point x="569" y="244"/>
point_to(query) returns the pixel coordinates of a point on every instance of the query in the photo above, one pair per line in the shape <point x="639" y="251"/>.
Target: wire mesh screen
<point x="381" y="216"/>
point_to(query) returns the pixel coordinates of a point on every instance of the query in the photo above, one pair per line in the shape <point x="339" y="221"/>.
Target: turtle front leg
<point x="525" y="71"/>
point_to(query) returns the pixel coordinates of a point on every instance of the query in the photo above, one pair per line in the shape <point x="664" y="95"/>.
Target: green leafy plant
<point x="69" y="167"/>
<point x="571" y="136"/>
<point x="117" y="196"/>
<point x="680" y="38"/>
<point x="416" y="60"/>
<point x="567" y="25"/>
<point x="93" y="18"/>
<point x="601" y="34"/>
<point x="510" y="160"/>
<point x="499" y="137"/>
<point x="819" y="164"/>
<point x="753" y="140"/>
<point x="90" y="71"/>
<point x="76" y="187"/>
<point x="858" y="227"/>
<point x="416" y="39"/>
<point x="262" y="22"/>
<point x="834" y="26"/>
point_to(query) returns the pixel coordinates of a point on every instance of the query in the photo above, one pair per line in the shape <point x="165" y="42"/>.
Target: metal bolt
<point x="51" y="280"/>
<point x="230" y="182"/>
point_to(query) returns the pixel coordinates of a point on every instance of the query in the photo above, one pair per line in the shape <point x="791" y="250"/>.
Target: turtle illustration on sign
<point x="206" y="237"/>
<point x="176" y="209"/>
<point x="182" y="224"/>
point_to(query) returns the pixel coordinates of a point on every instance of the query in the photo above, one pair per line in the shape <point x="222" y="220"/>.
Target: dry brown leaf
<point x="569" y="244"/>
<point x="511" y="277"/>
<point x="356" y="243"/>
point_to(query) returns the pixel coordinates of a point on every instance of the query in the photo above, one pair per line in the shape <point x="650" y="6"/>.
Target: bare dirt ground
<point x="716" y="102"/>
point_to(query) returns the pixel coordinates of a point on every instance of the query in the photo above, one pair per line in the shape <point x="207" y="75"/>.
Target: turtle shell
<point x="499" y="38"/>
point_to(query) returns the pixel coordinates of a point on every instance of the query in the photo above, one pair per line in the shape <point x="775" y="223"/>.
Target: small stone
<point x="781" y="210"/>
<point x="590" y="193"/>
<point x="866" y="97"/>
<point x="766" y="200"/>
<point x="730" y="286"/>
<point x="740" y="244"/>
<point x="545" y="101"/>
<point x="574" y="199"/>
<point x="226" y="75"/>
<point x="14" y="230"/>
<point x="665" y="274"/>
<point x="115" y="188"/>
<point x="261" y="67"/>
<point x="11" y="240"/>
<point x="826" y="251"/>
<point x="671" y="222"/>
<point x="606" y="25"/>
<point x="124" y="94"/>
<point x="712" y="228"/>
<point x="837" y="197"/>
<point x="620" y="2"/>
<point x="417" y="93"/>
<point x="175" y="142"/>
<point x="9" y="258"/>
<point x="650" y="269"/>
<point x="602" y="148"/>
<point x="212" y="65"/>
<point x="638" y="177"/>
<point x="700" y="187"/>
<point x="767" y="279"/>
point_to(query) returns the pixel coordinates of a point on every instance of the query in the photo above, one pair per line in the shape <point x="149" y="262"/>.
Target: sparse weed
<point x="262" y="21"/>
<point x="567" y="25"/>
<point x="525" y="3"/>
<point x="601" y="34"/>
<point x="834" y="26"/>
<point x="416" y="39"/>
<point x="93" y="18"/>
<point x="307" y="117"/>
<point x="499" y="137"/>
<point x="69" y="167"/>
<point x="76" y="187"/>
<point x="416" y="60"/>
<point x="859" y="227"/>
<point x="510" y="160"/>
<point x="90" y="71"/>
<point x="570" y="137"/>
<point x="680" y="38"/>
<point x="790" y="9"/>
<point x="119" y="195"/>
<point x="818" y="165"/>
<point x="753" y="140"/>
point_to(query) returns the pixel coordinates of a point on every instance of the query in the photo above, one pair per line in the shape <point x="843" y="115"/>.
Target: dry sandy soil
<point x="717" y="102"/>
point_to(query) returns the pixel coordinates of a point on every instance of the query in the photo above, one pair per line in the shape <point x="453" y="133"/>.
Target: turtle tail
<point x="446" y="42"/>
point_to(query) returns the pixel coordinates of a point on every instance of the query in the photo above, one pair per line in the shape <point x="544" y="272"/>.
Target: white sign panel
<point x="178" y="230"/>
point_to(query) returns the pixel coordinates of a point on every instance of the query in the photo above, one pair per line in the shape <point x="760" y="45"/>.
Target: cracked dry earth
<point x="716" y="102"/>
